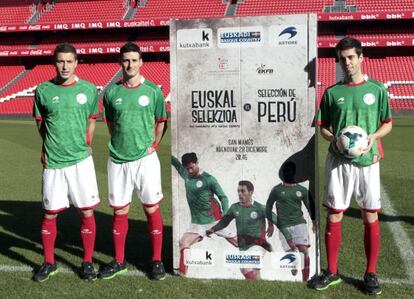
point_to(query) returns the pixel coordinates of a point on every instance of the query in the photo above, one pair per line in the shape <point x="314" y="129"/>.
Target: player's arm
<point x="271" y="217"/>
<point x="89" y="133"/>
<point x="41" y="128"/>
<point x="159" y="129"/>
<point x="216" y="189"/>
<point x="310" y="207"/>
<point x="179" y="167"/>
<point x="382" y="131"/>
<point x="224" y="221"/>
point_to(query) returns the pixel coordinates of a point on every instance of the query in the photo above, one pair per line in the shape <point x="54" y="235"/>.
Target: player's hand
<point x="89" y="151"/>
<point x="371" y="140"/>
<point x="334" y="145"/>
<point x="209" y="232"/>
<point x="270" y="230"/>
<point x="292" y="246"/>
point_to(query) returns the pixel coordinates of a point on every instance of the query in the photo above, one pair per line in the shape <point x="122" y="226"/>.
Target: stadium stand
<point x="15" y="95"/>
<point x="181" y="9"/>
<point x="382" y="5"/>
<point x="16" y="11"/>
<point x="85" y="11"/>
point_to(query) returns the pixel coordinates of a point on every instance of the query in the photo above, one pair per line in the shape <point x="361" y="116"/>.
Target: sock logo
<point x="45" y="232"/>
<point x="86" y="231"/>
<point x="155" y="232"/>
<point x="115" y="232"/>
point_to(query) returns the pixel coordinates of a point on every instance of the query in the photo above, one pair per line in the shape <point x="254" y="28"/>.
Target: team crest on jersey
<point x="253" y="215"/>
<point x="340" y="101"/>
<point x="199" y="184"/>
<point x="81" y="98"/>
<point x="143" y="101"/>
<point x="298" y="194"/>
<point x="369" y="99"/>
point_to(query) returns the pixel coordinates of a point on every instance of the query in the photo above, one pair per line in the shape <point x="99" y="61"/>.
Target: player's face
<point x="131" y="63"/>
<point x="65" y="64"/>
<point x="350" y="62"/>
<point x="245" y="196"/>
<point x="193" y="169"/>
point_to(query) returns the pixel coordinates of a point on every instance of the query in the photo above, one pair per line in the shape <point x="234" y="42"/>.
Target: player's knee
<point x="86" y="213"/>
<point x="151" y="210"/>
<point x="369" y="217"/>
<point x="334" y="217"/>
<point x="122" y="211"/>
<point x="50" y="216"/>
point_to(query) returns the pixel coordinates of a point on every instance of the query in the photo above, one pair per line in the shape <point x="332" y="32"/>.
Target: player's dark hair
<point x="64" y="48"/>
<point x="348" y="43"/>
<point x="189" y="158"/>
<point x="130" y="47"/>
<point x="248" y="185"/>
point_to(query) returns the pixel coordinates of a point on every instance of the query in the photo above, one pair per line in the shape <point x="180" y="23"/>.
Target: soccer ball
<point x="351" y="141"/>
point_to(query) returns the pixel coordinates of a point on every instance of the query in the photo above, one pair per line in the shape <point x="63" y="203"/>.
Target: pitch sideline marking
<point x="401" y="239"/>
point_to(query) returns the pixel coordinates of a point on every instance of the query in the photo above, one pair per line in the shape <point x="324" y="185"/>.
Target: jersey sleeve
<point x="308" y="202"/>
<point x="216" y="189"/>
<point x="385" y="110"/>
<point x="106" y="113"/>
<point x="160" y="112"/>
<point x="323" y="118"/>
<point x="179" y="167"/>
<point x="37" y="107"/>
<point x="225" y="220"/>
<point x="269" y="207"/>
<point x="94" y="111"/>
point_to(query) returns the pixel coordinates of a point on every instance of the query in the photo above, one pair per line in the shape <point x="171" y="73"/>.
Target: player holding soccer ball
<point x="363" y="102"/>
<point x="134" y="110"/>
<point x="206" y="200"/>
<point x="66" y="109"/>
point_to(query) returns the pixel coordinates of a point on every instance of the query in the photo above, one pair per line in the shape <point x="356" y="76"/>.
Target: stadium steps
<point x="13" y="81"/>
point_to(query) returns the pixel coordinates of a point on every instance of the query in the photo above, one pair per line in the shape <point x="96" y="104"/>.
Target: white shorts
<point x="200" y="229"/>
<point x="142" y="175"/>
<point x="300" y="236"/>
<point x="76" y="182"/>
<point x="343" y="179"/>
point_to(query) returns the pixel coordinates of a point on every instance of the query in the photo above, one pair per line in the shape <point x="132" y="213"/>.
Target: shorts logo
<point x="369" y="99"/>
<point x="46" y="201"/>
<point x="253" y="215"/>
<point x="298" y="194"/>
<point x="143" y="101"/>
<point x="199" y="184"/>
<point x="81" y="98"/>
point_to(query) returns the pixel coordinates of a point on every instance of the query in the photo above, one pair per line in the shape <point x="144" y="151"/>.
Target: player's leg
<point x="83" y="191"/>
<point x="306" y="261"/>
<point x="120" y="191"/>
<point x="251" y="274"/>
<point x="54" y="194"/>
<point x="186" y="241"/>
<point x="368" y="198"/>
<point x="339" y="183"/>
<point x="148" y="186"/>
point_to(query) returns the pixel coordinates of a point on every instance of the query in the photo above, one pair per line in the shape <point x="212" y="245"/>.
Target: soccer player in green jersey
<point x="65" y="109"/>
<point x="206" y="200"/>
<point x="250" y="219"/>
<point x="134" y="110"/>
<point x="288" y="197"/>
<point x="360" y="101"/>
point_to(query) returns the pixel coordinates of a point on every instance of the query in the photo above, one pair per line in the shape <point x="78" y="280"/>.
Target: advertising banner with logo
<point x="243" y="148"/>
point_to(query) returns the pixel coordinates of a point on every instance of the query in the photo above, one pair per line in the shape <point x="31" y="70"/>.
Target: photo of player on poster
<point x="206" y="200"/>
<point x="287" y="197"/>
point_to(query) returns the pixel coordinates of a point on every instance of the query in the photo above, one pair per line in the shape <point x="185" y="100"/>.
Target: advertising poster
<point x="243" y="150"/>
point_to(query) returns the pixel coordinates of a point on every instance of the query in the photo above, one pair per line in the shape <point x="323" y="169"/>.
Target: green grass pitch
<point x="21" y="213"/>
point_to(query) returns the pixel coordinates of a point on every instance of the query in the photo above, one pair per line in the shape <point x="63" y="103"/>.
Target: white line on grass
<point x="401" y="239"/>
